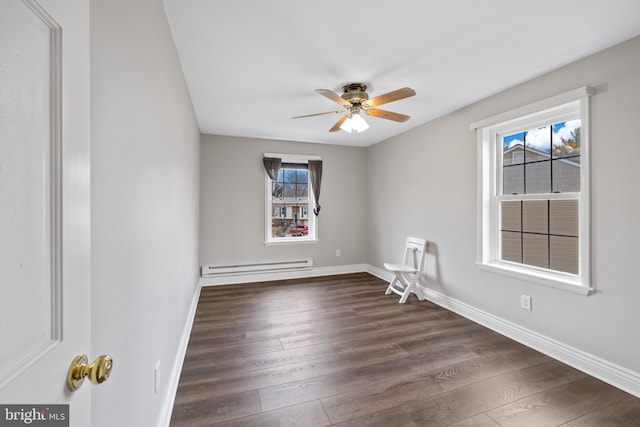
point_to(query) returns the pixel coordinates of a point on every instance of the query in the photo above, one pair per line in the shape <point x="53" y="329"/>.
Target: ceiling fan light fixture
<point x="358" y="123"/>
<point x="355" y="122"/>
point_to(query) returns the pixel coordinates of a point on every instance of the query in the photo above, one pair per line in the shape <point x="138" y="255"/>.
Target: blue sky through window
<point x="539" y="138"/>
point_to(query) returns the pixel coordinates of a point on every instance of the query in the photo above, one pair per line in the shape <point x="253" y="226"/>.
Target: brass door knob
<point x="97" y="372"/>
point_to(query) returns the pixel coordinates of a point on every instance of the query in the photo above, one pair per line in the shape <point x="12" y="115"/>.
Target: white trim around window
<point x="489" y="131"/>
<point x="312" y="220"/>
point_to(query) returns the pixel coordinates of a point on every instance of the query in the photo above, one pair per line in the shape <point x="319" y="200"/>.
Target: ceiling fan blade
<point x="336" y="127"/>
<point x="318" y="114"/>
<point x="383" y="114"/>
<point x="395" y="95"/>
<point x="334" y="97"/>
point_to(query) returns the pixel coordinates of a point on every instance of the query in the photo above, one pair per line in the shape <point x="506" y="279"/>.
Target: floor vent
<point x="232" y="270"/>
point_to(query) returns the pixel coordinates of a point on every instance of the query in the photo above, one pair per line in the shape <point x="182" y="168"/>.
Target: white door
<point x="44" y="203"/>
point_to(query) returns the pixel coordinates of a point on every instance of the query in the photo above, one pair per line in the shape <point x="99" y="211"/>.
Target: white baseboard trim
<point x="283" y="275"/>
<point x="379" y="273"/>
<point x="611" y="373"/>
<point x="172" y="386"/>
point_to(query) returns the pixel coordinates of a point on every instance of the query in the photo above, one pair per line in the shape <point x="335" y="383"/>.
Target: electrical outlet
<point x="525" y="302"/>
<point x="338" y="252"/>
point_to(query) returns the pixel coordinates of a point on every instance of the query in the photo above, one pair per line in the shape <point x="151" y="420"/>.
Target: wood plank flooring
<point x="336" y="351"/>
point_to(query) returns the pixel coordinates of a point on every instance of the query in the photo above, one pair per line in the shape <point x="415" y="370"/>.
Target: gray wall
<point x="423" y="183"/>
<point x="144" y="187"/>
<point x="233" y="203"/>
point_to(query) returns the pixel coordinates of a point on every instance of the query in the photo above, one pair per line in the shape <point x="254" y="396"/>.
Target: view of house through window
<point x="542" y="230"/>
<point x="290" y="203"/>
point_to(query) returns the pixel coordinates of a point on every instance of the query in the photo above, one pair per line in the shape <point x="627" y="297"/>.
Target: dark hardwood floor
<point x="336" y="351"/>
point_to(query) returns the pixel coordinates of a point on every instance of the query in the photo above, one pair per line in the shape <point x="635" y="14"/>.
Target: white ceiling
<point x="251" y="65"/>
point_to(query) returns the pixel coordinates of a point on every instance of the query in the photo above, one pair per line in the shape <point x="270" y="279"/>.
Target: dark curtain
<point x="315" y="175"/>
<point x="272" y="167"/>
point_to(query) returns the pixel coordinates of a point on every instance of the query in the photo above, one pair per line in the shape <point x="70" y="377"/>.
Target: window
<point x="533" y="192"/>
<point x="289" y="199"/>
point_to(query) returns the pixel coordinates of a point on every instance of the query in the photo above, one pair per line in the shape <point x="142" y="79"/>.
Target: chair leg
<point x="412" y="287"/>
<point x="404" y="287"/>
<point x="407" y="290"/>
<point x="404" y="297"/>
<point x="418" y="292"/>
<point x="393" y="282"/>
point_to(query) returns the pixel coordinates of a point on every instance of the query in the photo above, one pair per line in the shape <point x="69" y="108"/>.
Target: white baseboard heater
<point x="232" y="270"/>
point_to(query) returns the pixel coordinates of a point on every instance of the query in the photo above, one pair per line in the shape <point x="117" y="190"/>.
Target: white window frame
<point x="312" y="220"/>
<point x="489" y="132"/>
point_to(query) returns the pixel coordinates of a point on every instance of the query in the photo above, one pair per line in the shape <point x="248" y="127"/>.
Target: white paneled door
<point x="44" y="204"/>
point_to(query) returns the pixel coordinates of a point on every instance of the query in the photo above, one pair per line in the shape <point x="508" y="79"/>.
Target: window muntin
<point x="533" y="188"/>
<point x="541" y="233"/>
<point x="542" y="161"/>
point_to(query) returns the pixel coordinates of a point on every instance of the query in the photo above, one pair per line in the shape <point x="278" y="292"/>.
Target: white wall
<point x="431" y="172"/>
<point x="233" y="203"/>
<point x="144" y="185"/>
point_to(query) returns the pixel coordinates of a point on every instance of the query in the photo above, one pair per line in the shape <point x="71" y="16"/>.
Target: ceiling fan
<point x="355" y="101"/>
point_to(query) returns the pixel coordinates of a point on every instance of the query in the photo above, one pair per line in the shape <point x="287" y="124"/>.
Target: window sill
<point x="291" y="242"/>
<point x="567" y="284"/>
